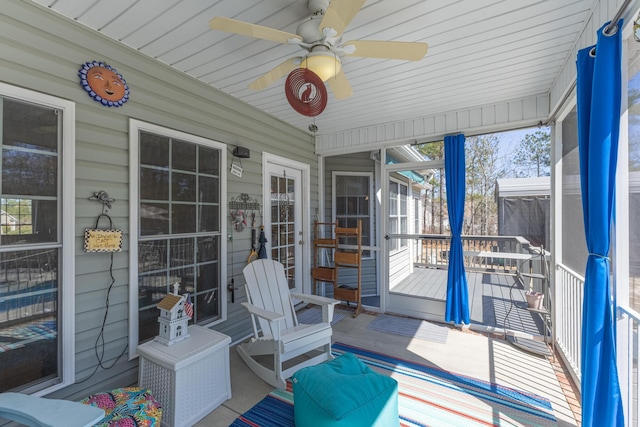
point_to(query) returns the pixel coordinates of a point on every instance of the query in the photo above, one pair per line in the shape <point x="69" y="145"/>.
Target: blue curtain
<point x="457" y="308"/>
<point x="598" y="87"/>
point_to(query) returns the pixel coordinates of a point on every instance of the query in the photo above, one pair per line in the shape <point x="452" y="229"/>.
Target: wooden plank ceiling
<point x="480" y="51"/>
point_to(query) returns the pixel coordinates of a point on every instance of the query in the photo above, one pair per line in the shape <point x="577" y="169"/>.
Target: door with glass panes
<point x="284" y="221"/>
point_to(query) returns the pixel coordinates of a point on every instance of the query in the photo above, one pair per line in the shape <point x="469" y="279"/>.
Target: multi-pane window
<point x="30" y="246"/>
<point x="283" y="216"/>
<point x="398" y="218"/>
<point x="353" y="195"/>
<point x="179" y="230"/>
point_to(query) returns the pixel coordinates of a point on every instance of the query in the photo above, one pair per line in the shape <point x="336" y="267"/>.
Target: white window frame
<point x="334" y="176"/>
<point x="135" y="126"/>
<point x="408" y="203"/>
<point x="417" y="211"/>
<point x="66" y="325"/>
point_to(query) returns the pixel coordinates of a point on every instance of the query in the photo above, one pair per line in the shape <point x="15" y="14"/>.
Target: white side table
<point x="189" y="378"/>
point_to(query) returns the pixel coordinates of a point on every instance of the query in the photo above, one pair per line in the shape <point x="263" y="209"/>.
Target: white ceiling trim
<point x="490" y="118"/>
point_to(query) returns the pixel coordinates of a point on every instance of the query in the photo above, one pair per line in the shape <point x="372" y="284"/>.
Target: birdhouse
<point x="174" y="318"/>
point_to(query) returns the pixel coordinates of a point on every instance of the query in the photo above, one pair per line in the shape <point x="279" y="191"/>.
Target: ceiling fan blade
<point x="340" y="86"/>
<point x="251" y="30"/>
<point x="409" y="51"/>
<point x="276" y="73"/>
<point x="340" y="13"/>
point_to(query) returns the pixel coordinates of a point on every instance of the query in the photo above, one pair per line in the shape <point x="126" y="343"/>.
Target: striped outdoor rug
<point x="408" y="327"/>
<point x="427" y="397"/>
<point x="313" y="315"/>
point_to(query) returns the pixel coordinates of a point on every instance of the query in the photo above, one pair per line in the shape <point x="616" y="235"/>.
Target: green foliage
<point x="439" y="215"/>
<point x="17" y="207"/>
<point x="18" y="210"/>
<point x="432" y="150"/>
<point x="532" y="156"/>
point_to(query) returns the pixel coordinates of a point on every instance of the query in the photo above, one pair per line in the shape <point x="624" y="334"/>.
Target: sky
<point x="509" y="142"/>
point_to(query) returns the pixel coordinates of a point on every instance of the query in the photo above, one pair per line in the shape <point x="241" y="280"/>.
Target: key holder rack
<point x="244" y="202"/>
<point x="243" y="208"/>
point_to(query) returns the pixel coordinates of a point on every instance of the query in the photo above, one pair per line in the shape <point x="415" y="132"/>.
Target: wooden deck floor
<point x="496" y="300"/>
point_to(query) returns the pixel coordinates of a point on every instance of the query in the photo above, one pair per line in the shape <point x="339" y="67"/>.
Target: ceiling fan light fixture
<point x="325" y="64"/>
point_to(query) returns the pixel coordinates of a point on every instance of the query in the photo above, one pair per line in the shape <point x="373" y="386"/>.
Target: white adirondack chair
<point x="275" y="325"/>
<point x="40" y="412"/>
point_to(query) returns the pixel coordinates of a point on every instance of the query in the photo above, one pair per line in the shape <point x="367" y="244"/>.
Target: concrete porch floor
<point x="465" y="352"/>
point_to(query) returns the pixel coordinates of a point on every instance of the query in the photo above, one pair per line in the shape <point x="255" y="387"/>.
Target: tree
<point x="483" y="169"/>
<point x="432" y="150"/>
<point x="532" y="156"/>
<point x="16" y="209"/>
<point x="435" y="151"/>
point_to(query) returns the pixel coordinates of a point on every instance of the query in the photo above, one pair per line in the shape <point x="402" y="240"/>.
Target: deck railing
<point x="28" y="286"/>
<point x="569" y="291"/>
<point x="481" y="252"/>
<point x="567" y="295"/>
<point x="568" y="323"/>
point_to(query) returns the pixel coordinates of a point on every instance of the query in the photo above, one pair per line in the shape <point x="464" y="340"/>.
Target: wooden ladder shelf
<point x="342" y="258"/>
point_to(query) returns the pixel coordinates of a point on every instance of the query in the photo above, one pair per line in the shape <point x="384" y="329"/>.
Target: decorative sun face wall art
<point x="104" y="84"/>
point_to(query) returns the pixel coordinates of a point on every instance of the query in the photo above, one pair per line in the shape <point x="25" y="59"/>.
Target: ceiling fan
<point x="320" y="35"/>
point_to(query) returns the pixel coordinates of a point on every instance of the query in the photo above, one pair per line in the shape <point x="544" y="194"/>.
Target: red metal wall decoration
<point x="306" y="92"/>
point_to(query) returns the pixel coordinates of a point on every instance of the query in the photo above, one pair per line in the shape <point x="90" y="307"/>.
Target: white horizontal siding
<point x="471" y="121"/>
<point x="399" y="266"/>
<point x="43" y="51"/>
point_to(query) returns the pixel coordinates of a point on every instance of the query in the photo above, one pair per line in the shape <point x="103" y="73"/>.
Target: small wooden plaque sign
<point x="102" y="240"/>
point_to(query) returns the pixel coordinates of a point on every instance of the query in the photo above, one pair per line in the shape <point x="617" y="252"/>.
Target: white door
<point x="407" y="289"/>
<point x="286" y="214"/>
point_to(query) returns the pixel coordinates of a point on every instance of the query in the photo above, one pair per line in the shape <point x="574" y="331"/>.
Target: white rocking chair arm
<point x="327" y="304"/>
<point x="314" y="299"/>
<point x="265" y="314"/>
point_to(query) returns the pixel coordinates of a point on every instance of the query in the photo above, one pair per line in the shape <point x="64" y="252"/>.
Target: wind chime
<point x="306" y="92"/>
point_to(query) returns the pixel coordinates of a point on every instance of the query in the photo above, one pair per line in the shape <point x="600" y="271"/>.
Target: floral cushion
<point x="127" y="407"/>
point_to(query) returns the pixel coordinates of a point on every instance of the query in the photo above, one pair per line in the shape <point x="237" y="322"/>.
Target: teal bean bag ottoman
<point x="344" y="392"/>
